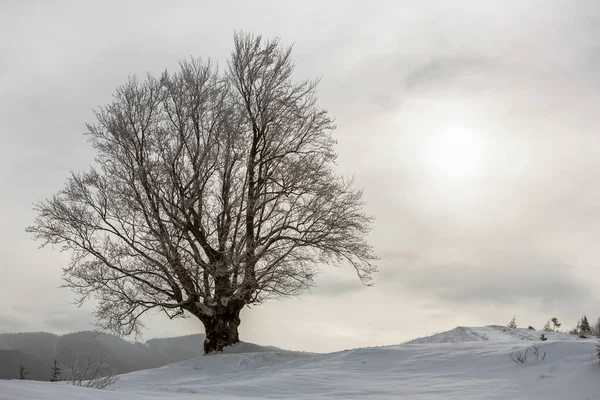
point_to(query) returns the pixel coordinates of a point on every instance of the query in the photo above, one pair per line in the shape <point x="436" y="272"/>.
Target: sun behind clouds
<point x="456" y="153"/>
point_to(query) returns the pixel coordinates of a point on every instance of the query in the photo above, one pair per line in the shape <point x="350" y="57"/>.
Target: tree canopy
<point x="211" y="190"/>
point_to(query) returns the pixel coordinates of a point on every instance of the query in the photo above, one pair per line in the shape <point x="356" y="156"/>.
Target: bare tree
<point x="91" y="371"/>
<point x="213" y="190"/>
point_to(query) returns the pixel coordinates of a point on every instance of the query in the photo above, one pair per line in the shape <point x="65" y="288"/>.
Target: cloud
<point x="53" y="315"/>
<point x="513" y="281"/>
<point x="67" y="322"/>
<point x="522" y="76"/>
<point x="336" y="288"/>
<point x="11" y="324"/>
<point x="449" y="71"/>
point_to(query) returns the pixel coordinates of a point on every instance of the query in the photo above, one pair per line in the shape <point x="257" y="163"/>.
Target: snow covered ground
<point x="464" y="363"/>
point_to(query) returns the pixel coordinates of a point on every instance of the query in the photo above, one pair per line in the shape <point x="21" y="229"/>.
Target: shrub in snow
<point x="531" y="328"/>
<point x="512" y="323"/>
<point x="536" y="353"/>
<point x="519" y="357"/>
<point x="543" y="337"/>
<point x="91" y="372"/>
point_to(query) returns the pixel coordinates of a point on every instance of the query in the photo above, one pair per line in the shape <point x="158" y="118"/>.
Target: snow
<point x="464" y="363"/>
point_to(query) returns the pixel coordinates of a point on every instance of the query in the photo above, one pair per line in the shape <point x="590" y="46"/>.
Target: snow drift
<point x="464" y="363"/>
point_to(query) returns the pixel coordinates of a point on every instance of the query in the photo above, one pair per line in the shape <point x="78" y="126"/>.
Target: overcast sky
<point x="471" y="127"/>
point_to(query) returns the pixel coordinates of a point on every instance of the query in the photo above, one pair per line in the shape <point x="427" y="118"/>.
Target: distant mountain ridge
<point x="38" y="350"/>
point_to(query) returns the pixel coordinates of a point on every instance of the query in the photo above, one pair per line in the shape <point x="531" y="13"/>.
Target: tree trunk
<point x="221" y="329"/>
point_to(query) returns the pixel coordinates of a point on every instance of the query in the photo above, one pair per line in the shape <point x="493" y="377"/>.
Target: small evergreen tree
<point x="555" y="323"/>
<point x="598" y="351"/>
<point x="580" y="332"/>
<point x="23" y="373"/>
<point x="547" y="327"/>
<point x="55" y="372"/>
<point x="584" y="326"/>
<point x="512" y="323"/>
<point x="596" y="328"/>
<point x="543" y="337"/>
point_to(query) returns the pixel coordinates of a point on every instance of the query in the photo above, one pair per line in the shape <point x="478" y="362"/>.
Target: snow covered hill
<point x="464" y="363"/>
<point x="38" y="350"/>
